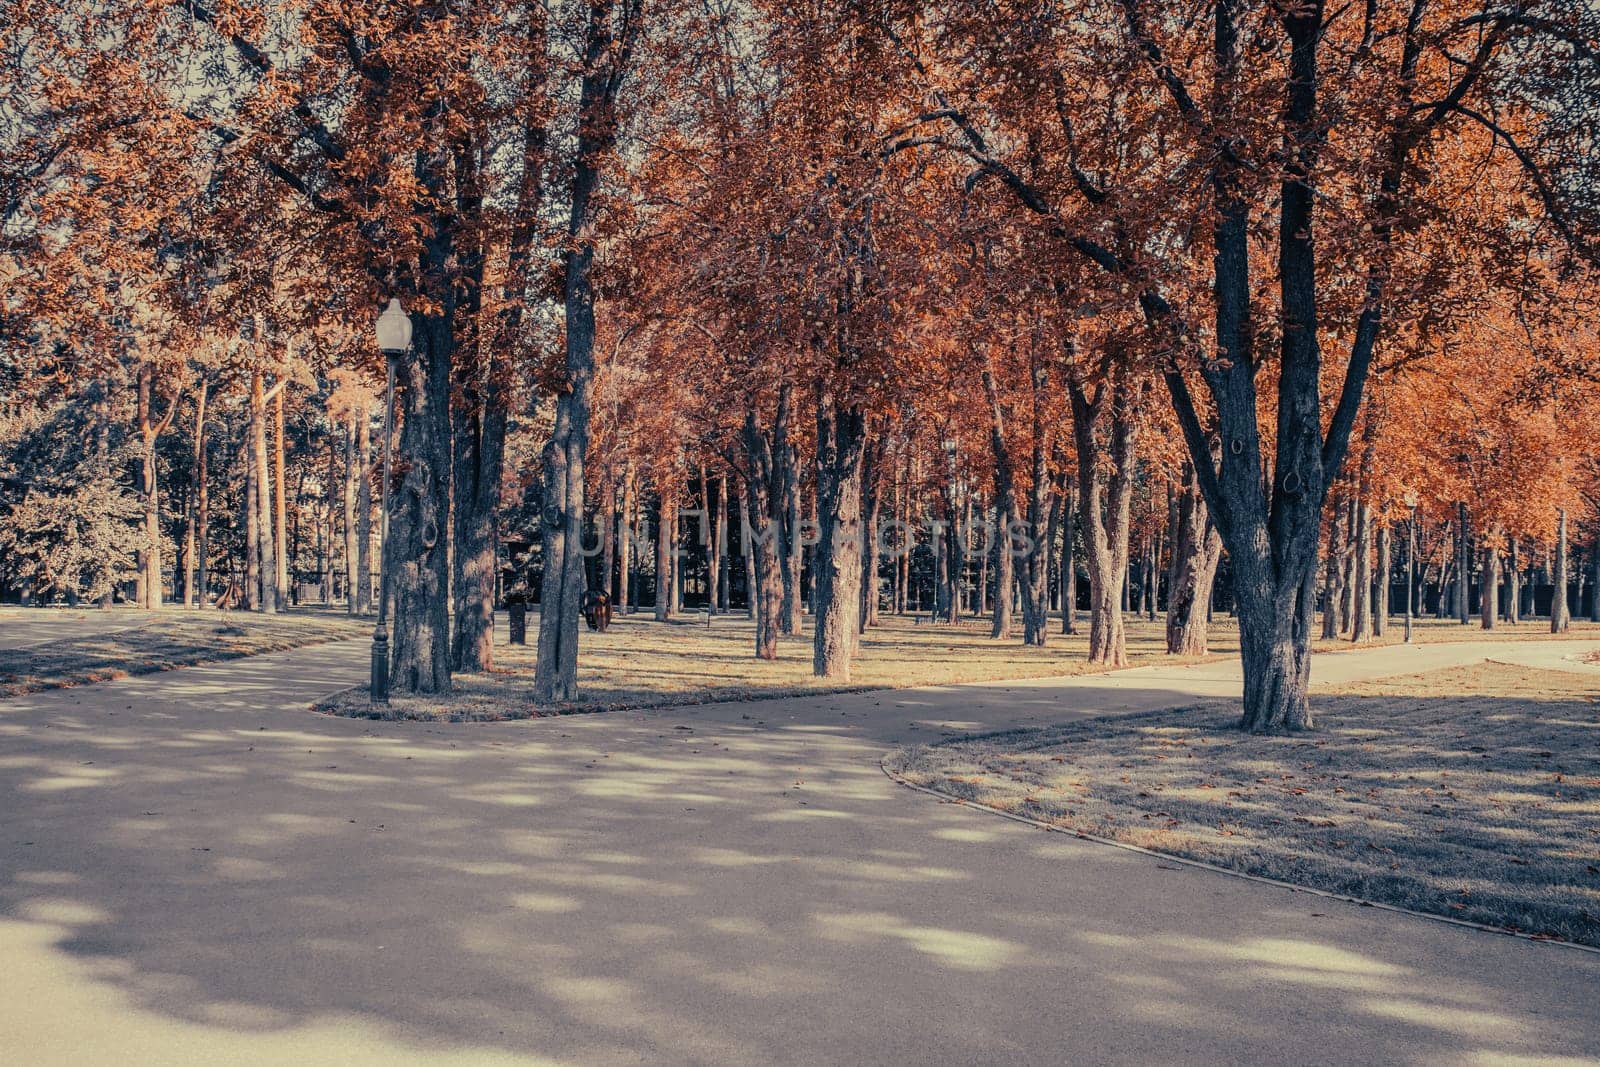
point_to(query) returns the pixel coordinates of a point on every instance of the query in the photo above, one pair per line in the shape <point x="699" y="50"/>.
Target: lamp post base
<point x="379" y="687"/>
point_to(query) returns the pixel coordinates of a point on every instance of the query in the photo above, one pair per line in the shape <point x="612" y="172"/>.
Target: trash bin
<point x="518" y="606"/>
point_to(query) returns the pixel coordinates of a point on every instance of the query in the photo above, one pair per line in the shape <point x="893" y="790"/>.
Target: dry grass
<point x="641" y="663"/>
<point x="159" y="641"/>
<point x="1472" y="792"/>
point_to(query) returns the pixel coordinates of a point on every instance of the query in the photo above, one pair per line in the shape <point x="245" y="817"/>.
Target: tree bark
<point x="1005" y="508"/>
<point x="148" y="585"/>
<point x="606" y="520"/>
<point x="1044" y="513"/>
<point x="189" y="504"/>
<point x="1069" y="565"/>
<point x="724" y="563"/>
<point x="712" y="500"/>
<point x="419" y="510"/>
<point x="1361" y="600"/>
<point x="1196" y="551"/>
<point x="353" y="578"/>
<point x="788" y="476"/>
<point x="666" y="548"/>
<point x="1513" y="585"/>
<point x="266" y="569"/>
<point x="872" y="511"/>
<point x="1104" y="428"/>
<point x="1489" y="588"/>
<point x="364" y="512"/>
<point x="479" y="433"/>
<point x="252" y="514"/>
<point x="1380" y="617"/>
<point x="280" y="511"/>
<point x="1333" y="571"/>
<point x="627" y="533"/>
<point x="1594" y="580"/>
<point x="1269" y="516"/>
<point x="841" y="434"/>
<point x="606" y="55"/>
<point x="1560" y="615"/>
<point x="763" y="523"/>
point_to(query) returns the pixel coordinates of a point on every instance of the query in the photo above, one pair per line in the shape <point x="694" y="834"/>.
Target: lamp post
<point x="394" y="337"/>
<point x="1411" y="560"/>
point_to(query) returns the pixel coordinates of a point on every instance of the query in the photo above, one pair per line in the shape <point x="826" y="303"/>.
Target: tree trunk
<point x="763" y="523"/>
<point x="1152" y="574"/>
<point x="606" y="520"/>
<point x="1594" y="580"/>
<point x="1104" y="499"/>
<point x="712" y="499"/>
<point x="990" y="547"/>
<point x="1560" y="616"/>
<point x="353" y="578"/>
<point x="189" y="498"/>
<point x="328" y="524"/>
<point x="1005" y="510"/>
<point x="1196" y="551"/>
<point x="1333" y="571"/>
<point x="280" y="513"/>
<point x="627" y="532"/>
<point x="363" y="593"/>
<point x="724" y="564"/>
<point x="419" y="510"/>
<point x="1044" y="514"/>
<point x="1513" y="585"/>
<point x="676" y="558"/>
<point x="666" y="548"/>
<point x="747" y="507"/>
<point x="202" y="520"/>
<point x="841" y="436"/>
<point x="902" y="571"/>
<point x="604" y="58"/>
<point x="1361" y="600"/>
<point x="1489" y="589"/>
<point x="479" y="436"/>
<point x="252" y="520"/>
<point x="1380" y="617"/>
<point x="1347" y="569"/>
<point x="1069" y="565"/>
<point x="788" y="476"/>
<point x="148" y="584"/>
<point x="266" y="570"/>
<point x="872" y="511"/>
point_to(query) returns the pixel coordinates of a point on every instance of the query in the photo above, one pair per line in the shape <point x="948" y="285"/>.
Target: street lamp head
<point x="950" y="444"/>
<point x="1412" y="499"/>
<point x="394" y="328"/>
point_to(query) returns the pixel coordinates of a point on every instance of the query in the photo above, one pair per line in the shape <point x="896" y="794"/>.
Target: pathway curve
<point x="193" y="868"/>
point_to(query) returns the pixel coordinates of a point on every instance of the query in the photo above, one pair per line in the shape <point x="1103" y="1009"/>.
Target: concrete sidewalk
<point x="195" y="869"/>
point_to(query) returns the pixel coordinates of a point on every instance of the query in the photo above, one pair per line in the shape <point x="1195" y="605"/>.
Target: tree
<point x="611" y="31"/>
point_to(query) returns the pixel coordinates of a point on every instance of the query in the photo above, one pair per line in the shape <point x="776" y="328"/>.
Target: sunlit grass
<point x="1472" y="792"/>
<point x="156" y="641"/>
<point x="643" y="663"/>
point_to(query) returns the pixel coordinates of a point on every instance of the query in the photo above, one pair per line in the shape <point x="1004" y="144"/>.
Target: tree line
<point x="1176" y="290"/>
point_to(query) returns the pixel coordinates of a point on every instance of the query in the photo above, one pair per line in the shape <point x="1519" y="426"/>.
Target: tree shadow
<point x="195" y="865"/>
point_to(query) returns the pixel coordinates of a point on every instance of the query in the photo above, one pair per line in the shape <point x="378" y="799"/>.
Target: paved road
<point x="194" y="869"/>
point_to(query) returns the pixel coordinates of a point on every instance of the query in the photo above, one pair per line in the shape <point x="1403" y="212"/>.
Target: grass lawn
<point x="116" y="644"/>
<point x="642" y="663"/>
<point x="1471" y="792"/>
